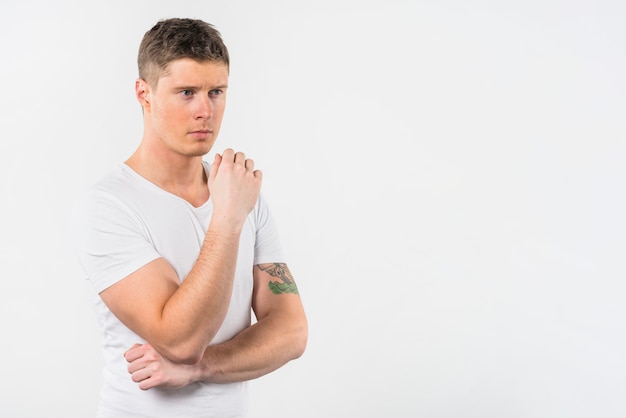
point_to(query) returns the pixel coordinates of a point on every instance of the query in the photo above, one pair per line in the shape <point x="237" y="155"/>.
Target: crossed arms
<point x="278" y="336"/>
<point x="179" y="320"/>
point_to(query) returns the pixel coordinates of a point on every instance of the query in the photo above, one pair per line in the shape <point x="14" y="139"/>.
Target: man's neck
<point x="180" y="175"/>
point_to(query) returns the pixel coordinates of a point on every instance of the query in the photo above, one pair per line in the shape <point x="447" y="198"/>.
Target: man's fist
<point x="234" y="185"/>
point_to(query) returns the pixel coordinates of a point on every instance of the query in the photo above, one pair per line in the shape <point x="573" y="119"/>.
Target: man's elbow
<point x="188" y="359"/>
<point x="183" y="354"/>
<point x="300" y="341"/>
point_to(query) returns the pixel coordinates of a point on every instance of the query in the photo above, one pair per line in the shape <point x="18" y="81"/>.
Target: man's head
<point x="173" y="39"/>
<point x="183" y="78"/>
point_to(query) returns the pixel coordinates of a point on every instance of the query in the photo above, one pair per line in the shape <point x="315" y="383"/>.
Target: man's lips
<point x="201" y="133"/>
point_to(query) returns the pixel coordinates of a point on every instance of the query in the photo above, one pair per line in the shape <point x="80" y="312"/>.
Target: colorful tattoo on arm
<point x="285" y="283"/>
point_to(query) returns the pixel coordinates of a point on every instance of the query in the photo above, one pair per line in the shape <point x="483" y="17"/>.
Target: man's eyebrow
<point x="189" y="87"/>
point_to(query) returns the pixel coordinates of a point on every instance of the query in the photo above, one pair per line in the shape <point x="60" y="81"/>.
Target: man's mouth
<point x="201" y="133"/>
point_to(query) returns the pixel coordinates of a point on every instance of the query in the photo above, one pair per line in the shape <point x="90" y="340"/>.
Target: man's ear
<point x="142" y="92"/>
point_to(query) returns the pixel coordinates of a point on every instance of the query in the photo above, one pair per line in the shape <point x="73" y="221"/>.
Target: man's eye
<point x="186" y="93"/>
<point x="216" y="92"/>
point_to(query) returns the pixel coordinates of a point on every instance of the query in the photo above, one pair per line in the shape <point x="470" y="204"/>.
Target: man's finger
<point x="132" y="354"/>
<point x="240" y="157"/>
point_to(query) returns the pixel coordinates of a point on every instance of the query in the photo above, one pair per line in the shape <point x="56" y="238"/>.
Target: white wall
<point x="448" y="177"/>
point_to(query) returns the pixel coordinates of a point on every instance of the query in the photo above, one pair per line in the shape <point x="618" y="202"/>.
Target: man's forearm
<point x="179" y="319"/>
<point x="256" y="351"/>
<point x="188" y="310"/>
<point x="273" y="341"/>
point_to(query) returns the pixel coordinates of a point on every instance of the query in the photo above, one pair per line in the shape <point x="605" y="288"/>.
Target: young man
<point x="180" y="250"/>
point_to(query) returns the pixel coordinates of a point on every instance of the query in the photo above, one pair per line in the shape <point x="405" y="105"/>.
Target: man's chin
<point x="198" y="154"/>
<point x="200" y="151"/>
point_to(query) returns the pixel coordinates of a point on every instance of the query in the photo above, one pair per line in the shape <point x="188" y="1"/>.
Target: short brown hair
<point x="173" y="39"/>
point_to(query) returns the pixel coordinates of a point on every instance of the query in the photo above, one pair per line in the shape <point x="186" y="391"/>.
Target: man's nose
<point x="205" y="108"/>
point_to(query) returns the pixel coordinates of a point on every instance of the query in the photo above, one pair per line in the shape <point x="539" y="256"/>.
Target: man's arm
<point x="180" y="319"/>
<point x="279" y="335"/>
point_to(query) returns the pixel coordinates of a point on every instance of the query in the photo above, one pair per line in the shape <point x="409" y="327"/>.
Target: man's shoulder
<point x="120" y="181"/>
<point x="113" y="186"/>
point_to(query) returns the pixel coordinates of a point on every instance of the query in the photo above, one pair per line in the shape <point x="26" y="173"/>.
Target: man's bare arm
<point x="180" y="319"/>
<point x="279" y="335"/>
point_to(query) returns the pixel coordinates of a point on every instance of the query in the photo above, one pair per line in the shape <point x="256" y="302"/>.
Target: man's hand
<point x="150" y="369"/>
<point x="234" y="185"/>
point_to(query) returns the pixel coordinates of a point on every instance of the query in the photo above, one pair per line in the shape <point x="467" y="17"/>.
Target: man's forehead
<point x="190" y="71"/>
<point x="194" y="66"/>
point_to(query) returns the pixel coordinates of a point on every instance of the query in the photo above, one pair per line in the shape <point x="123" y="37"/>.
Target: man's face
<point x="184" y="111"/>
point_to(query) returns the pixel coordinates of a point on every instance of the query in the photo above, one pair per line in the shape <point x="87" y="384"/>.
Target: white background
<point x="447" y="176"/>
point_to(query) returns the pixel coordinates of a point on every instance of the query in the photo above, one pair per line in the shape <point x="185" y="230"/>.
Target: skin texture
<point x="278" y="336"/>
<point x="182" y="117"/>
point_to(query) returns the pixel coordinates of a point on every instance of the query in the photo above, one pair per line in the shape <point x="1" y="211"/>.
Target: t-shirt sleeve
<point x="267" y="248"/>
<point x="110" y="243"/>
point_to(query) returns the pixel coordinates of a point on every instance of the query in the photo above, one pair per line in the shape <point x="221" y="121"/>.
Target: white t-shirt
<point x="122" y="223"/>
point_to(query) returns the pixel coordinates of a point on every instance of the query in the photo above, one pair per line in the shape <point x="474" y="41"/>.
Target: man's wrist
<point x="224" y="229"/>
<point x="207" y="369"/>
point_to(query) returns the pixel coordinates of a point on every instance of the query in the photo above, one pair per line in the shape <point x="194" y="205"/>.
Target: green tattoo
<point x="280" y="271"/>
